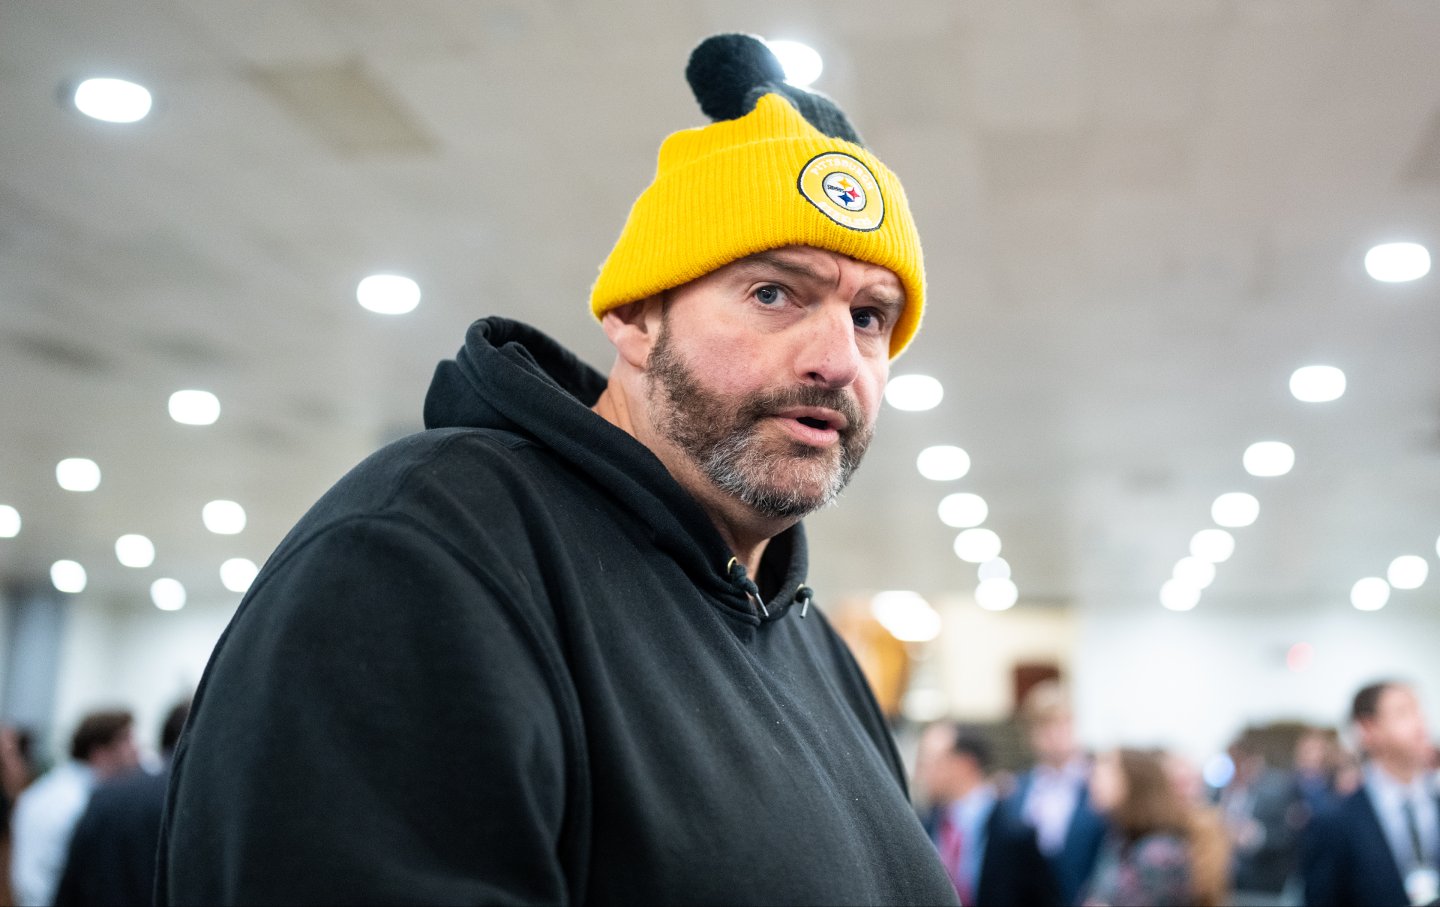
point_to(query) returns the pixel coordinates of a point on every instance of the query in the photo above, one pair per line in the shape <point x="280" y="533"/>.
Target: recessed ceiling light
<point x="238" y="573"/>
<point x="963" y="510"/>
<point x="388" y="294"/>
<point x="996" y="594"/>
<point x="77" y="474"/>
<point x="1193" y="571"/>
<point x="9" y="522"/>
<point x="134" y="551"/>
<point x="906" y="615"/>
<point x="914" y="393"/>
<point x="1317" y="384"/>
<point x="977" y="545"/>
<point x="1213" y="545"/>
<point x="995" y="568"/>
<point x="68" y="576"/>
<point x="802" y="62"/>
<point x="1397" y="262"/>
<point x="112" y="100"/>
<point x="1235" y="509"/>
<point x="167" y="594"/>
<point x="943" y="463"/>
<point x="192" y="407"/>
<point x="1408" y="571"/>
<point x="1370" y="594"/>
<point x="1269" y="458"/>
<point x="1178" y="596"/>
<point x="224" y="517"/>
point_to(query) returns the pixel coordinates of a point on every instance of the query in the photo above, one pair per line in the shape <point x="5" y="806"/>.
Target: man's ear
<point x="634" y="329"/>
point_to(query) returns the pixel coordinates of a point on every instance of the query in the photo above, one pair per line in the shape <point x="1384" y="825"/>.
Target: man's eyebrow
<point x="891" y="301"/>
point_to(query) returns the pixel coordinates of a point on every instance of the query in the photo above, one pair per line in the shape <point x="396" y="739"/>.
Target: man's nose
<point x="829" y="355"/>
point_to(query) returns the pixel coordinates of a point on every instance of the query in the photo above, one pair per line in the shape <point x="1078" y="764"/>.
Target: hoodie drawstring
<point x="740" y="577"/>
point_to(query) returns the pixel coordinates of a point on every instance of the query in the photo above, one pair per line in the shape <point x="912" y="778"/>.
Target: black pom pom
<point x="724" y="71"/>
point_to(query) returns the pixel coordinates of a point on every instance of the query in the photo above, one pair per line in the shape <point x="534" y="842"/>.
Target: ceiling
<point x="1139" y="217"/>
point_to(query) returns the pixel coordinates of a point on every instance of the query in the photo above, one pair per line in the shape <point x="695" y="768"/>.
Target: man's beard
<point x="778" y="478"/>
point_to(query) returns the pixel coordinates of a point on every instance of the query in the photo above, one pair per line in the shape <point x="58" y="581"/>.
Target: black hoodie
<point x="505" y="660"/>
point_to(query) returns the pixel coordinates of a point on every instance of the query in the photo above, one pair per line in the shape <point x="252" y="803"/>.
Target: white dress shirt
<point x="1389" y="797"/>
<point x="40" y="828"/>
<point x="1051" y="800"/>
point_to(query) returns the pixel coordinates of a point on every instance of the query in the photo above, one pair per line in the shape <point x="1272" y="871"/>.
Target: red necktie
<point x="952" y="848"/>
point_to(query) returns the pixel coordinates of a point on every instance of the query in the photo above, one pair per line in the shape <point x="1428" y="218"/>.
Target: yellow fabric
<point x="734" y="188"/>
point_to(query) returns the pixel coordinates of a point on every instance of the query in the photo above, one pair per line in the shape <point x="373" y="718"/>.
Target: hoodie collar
<point x="512" y="377"/>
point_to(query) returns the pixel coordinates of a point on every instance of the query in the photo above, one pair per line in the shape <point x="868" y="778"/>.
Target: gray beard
<point x="777" y="479"/>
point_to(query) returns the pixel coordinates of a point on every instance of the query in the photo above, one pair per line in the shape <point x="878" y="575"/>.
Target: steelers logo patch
<point x="844" y="190"/>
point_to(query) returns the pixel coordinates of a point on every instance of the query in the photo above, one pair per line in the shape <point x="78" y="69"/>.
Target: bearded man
<point x="559" y="647"/>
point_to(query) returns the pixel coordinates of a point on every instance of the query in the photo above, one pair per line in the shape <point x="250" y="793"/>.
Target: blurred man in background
<point x="1381" y="844"/>
<point x="1054" y="796"/>
<point x="102" y="748"/>
<point x="1264" y="815"/>
<point x="989" y="853"/>
<point x="112" y="853"/>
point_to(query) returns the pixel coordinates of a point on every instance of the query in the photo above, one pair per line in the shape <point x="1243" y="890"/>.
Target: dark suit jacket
<point x="1013" y="873"/>
<point x="112" y="854"/>
<point x="1074" y="864"/>
<point x="1348" y="860"/>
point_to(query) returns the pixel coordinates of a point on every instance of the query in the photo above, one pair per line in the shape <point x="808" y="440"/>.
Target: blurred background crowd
<point x="1020" y="812"/>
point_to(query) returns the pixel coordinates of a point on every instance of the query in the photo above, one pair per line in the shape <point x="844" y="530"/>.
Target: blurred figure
<point x="1054" y="798"/>
<point x="1150" y="854"/>
<point x="16" y="773"/>
<point x="1209" y="843"/>
<point x="989" y="853"/>
<point x="112" y="853"/>
<point x="102" y="748"/>
<point x="1264" y="815"/>
<point x="1381" y="844"/>
<point x="1315" y="765"/>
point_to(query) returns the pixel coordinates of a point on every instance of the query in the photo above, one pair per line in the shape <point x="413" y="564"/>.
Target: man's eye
<point x="867" y="319"/>
<point x="768" y="295"/>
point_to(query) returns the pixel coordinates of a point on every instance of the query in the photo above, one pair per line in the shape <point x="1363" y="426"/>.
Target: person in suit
<point x="112" y="854"/>
<point x="1381" y="844"/>
<point x="1053" y="797"/>
<point x="990" y="855"/>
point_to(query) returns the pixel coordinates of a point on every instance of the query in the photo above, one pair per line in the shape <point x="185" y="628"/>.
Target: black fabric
<point x="502" y="661"/>
<point x="1347" y="859"/>
<point x="112" y="852"/>
<point x="1013" y="872"/>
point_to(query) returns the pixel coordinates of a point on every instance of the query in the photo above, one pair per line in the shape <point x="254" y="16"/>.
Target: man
<point x="990" y="855"/>
<point x="1381" y="844"/>
<point x="112" y="853"/>
<point x="1264" y="813"/>
<point x="560" y="647"/>
<point x="1054" y="796"/>
<point x="102" y="748"/>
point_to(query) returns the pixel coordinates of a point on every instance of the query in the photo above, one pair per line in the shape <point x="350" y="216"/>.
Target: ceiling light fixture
<point x="1397" y="262"/>
<point x="224" y="517"/>
<point x="1370" y="594"/>
<point x="977" y="545"/>
<point x="1235" y="509"/>
<point x="1213" y="545"/>
<point x="1265" y="459"/>
<point x="77" y="474"/>
<point x="192" y="407"/>
<point x="134" y="551"/>
<point x="9" y="522"/>
<point x="995" y="568"/>
<point x="963" y="510"/>
<point x="996" y="594"/>
<point x="238" y="573"/>
<point x="112" y="100"/>
<point x="388" y="294"/>
<point x="802" y="63"/>
<point x="167" y="594"/>
<point x="1317" y="384"/>
<point x="914" y="393"/>
<point x="1408" y="571"/>
<point x="1193" y="571"/>
<point x="68" y="576"/>
<point x="943" y="463"/>
<point x="1178" y="596"/>
<point x="907" y="616"/>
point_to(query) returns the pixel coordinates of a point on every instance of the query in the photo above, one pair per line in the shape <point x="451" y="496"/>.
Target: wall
<point x="1191" y="681"/>
<point x="140" y="658"/>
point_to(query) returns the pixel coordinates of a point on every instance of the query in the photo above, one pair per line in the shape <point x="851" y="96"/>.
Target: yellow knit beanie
<point x="761" y="177"/>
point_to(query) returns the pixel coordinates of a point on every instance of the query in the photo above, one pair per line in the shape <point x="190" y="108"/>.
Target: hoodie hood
<point x="512" y="377"/>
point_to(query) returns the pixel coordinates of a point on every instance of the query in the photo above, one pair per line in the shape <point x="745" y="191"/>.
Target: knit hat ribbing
<point x="781" y="166"/>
